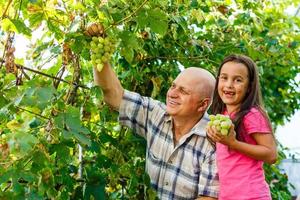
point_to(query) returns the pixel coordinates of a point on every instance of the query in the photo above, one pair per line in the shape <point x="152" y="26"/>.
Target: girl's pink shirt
<point x="242" y="177"/>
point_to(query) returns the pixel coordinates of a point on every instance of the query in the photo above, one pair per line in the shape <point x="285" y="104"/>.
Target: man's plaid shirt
<point x="184" y="171"/>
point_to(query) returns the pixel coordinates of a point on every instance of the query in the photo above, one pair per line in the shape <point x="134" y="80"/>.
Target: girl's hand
<point x="216" y="136"/>
<point x="212" y="133"/>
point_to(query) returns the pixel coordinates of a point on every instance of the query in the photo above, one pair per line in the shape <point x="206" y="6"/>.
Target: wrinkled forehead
<point x="188" y="80"/>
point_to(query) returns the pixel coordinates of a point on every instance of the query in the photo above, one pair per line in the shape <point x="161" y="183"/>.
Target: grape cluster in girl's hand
<point x="102" y="49"/>
<point x="221" y="122"/>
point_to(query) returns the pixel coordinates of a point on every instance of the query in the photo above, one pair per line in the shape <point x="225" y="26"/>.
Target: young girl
<point x="250" y="142"/>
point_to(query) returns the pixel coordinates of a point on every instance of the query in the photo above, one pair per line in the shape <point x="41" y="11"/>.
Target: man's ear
<point x="203" y="105"/>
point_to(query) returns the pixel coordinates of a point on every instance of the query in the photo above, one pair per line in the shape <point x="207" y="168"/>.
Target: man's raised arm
<point x="110" y="85"/>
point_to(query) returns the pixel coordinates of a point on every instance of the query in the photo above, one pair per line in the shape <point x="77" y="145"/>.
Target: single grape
<point x="95" y="39"/>
<point x="212" y="117"/>
<point x="99" y="67"/>
<point x="216" y="122"/>
<point x="225" y="124"/>
<point x="224" y="131"/>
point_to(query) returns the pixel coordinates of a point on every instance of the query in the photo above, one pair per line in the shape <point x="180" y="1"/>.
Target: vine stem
<point x="36" y="114"/>
<point x="129" y="16"/>
<point x="47" y="75"/>
<point x="53" y="77"/>
<point x="8" y="4"/>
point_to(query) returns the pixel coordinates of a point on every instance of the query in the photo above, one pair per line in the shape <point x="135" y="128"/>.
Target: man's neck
<point x="182" y="127"/>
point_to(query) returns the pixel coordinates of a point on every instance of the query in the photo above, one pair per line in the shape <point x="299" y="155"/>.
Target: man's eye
<point x="183" y="91"/>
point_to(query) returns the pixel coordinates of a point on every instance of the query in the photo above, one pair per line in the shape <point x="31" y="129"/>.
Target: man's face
<point x="182" y="97"/>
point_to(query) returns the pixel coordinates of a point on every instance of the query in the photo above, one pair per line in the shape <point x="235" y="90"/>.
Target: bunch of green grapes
<point x="221" y="122"/>
<point x="102" y="49"/>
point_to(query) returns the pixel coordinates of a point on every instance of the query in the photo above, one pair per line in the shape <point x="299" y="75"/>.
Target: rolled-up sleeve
<point x="134" y="112"/>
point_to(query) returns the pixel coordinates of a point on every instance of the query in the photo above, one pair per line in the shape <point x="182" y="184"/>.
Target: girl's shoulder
<point x="254" y="112"/>
<point x="256" y="121"/>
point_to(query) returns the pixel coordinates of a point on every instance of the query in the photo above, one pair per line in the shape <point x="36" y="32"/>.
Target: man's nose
<point x="173" y="92"/>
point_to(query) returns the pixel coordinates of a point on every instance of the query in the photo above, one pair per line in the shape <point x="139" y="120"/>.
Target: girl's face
<point x="233" y="85"/>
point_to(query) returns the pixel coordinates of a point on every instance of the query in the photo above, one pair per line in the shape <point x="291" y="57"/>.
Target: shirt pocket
<point x="153" y="166"/>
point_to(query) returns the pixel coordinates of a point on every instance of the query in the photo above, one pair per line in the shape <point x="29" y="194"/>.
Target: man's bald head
<point x="203" y="81"/>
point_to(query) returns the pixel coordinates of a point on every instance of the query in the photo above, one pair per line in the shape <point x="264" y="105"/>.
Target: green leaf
<point x="7" y="25"/>
<point x="158" y="26"/>
<point x="78" y="44"/>
<point x="129" y="40"/>
<point x="82" y="138"/>
<point x="104" y="138"/>
<point x="62" y="152"/>
<point x="34" y="123"/>
<point x="72" y="118"/>
<point x="117" y="16"/>
<point x="23" y="142"/>
<point x="67" y="134"/>
<point x="55" y="49"/>
<point x="7" y="175"/>
<point x="37" y="96"/>
<point x="142" y="19"/>
<point x="59" y="121"/>
<point x="96" y="192"/>
<point x="21" y="27"/>
<point x="128" y="53"/>
<point x="36" y="19"/>
<point x="158" y="21"/>
<point x="85" y="53"/>
<point x="194" y="4"/>
<point x="55" y="29"/>
<point x="3" y="101"/>
<point x="44" y="94"/>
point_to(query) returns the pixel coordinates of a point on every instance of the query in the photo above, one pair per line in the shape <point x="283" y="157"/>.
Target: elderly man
<point x="179" y="159"/>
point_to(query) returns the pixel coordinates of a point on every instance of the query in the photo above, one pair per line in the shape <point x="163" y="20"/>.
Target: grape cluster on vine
<point x="221" y="122"/>
<point x="102" y="49"/>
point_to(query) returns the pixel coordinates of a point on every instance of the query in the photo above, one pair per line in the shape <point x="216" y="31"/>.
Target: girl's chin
<point x="227" y="100"/>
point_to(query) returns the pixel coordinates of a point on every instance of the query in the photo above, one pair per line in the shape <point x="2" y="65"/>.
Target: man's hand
<point x="94" y="29"/>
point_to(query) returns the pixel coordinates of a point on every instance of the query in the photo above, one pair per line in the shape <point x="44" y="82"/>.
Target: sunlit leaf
<point x="21" y="27"/>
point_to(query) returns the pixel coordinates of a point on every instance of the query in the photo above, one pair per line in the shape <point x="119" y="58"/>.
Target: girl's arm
<point x="264" y="150"/>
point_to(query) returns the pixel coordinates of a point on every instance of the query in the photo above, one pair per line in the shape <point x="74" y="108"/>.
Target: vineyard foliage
<point x="58" y="138"/>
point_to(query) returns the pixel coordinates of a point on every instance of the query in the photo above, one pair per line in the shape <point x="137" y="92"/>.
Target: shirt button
<point x="166" y="183"/>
